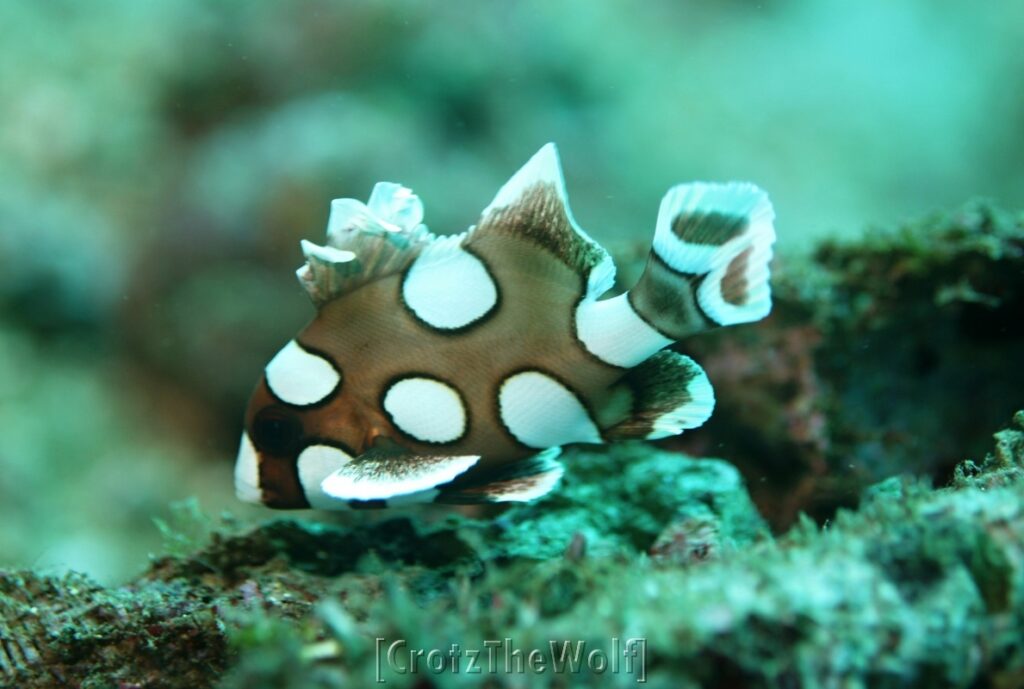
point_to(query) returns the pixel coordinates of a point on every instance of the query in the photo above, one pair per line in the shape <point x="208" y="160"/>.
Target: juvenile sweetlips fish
<point x="453" y="368"/>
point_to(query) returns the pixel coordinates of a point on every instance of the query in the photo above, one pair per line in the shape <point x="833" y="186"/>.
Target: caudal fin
<point x="708" y="267"/>
<point x="709" y="263"/>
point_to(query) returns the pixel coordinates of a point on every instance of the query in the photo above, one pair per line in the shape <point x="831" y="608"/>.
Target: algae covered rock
<point x="621" y="499"/>
<point x="917" y="587"/>
<point x="612" y="508"/>
<point x="68" y="631"/>
<point x="898" y="352"/>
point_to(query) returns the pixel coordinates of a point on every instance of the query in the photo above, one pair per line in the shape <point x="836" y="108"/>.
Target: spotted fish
<point x="453" y="368"/>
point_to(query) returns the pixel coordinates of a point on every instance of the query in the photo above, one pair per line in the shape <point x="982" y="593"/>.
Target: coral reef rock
<point x="916" y="587"/>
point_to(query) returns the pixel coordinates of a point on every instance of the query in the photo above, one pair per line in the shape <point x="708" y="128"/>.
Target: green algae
<point x="916" y="587"/>
<point x="898" y="352"/>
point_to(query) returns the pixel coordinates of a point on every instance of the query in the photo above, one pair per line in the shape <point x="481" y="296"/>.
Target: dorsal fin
<point x="369" y="241"/>
<point x="533" y="206"/>
<point x="365" y="242"/>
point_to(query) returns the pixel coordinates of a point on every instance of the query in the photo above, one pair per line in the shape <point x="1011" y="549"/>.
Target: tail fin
<point x="711" y="249"/>
<point x="708" y="267"/>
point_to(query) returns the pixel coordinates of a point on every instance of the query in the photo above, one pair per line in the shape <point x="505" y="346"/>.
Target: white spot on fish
<point x="540" y="412"/>
<point x="426" y="409"/>
<point x="300" y="378"/>
<point x="613" y="332"/>
<point x="448" y="287"/>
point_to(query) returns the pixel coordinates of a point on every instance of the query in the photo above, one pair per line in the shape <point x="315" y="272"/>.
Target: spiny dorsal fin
<point x="386" y="234"/>
<point x="365" y="242"/>
<point x="533" y="206"/>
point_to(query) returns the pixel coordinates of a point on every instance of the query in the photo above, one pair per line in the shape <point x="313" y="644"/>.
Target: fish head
<point x="299" y="428"/>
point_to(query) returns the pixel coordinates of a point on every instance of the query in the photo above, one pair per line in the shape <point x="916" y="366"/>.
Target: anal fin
<point x="671" y="393"/>
<point x="522" y="481"/>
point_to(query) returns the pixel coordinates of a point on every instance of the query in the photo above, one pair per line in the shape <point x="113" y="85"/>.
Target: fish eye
<point x="275" y="431"/>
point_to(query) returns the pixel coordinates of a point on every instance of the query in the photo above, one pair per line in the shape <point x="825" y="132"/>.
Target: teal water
<point x="160" y="161"/>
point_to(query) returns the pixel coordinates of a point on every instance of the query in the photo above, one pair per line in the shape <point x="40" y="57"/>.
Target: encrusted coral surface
<point x="895" y="353"/>
<point x="917" y="587"/>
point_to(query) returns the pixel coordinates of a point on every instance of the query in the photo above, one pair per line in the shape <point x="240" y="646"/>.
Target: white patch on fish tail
<point x="752" y="275"/>
<point x="449" y="288"/>
<point x="696" y="248"/>
<point x="724" y="232"/>
<point x="540" y="412"/>
<point x="301" y="378"/>
<point x="612" y="331"/>
<point x="247" y="472"/>
<point x="426" y="409"/>
<point x="315" y="463"/>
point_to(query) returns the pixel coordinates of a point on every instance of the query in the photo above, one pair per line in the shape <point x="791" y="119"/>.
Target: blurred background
<point x="160" y="161"/>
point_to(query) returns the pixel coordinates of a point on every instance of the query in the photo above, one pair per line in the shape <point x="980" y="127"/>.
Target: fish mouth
<point x="247" y="472"/>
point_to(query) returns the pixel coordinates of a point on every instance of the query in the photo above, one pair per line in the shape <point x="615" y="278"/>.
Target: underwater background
<point x="160" y="161"/>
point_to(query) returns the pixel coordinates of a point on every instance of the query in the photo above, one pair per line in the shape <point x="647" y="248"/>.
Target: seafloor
<point x="867" y="530"/>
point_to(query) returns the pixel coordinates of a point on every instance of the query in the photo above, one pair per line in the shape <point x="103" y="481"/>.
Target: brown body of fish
<point x="541" y="268"/>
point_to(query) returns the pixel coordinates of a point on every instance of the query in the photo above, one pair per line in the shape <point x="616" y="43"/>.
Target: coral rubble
<point x="917" y="587"/>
